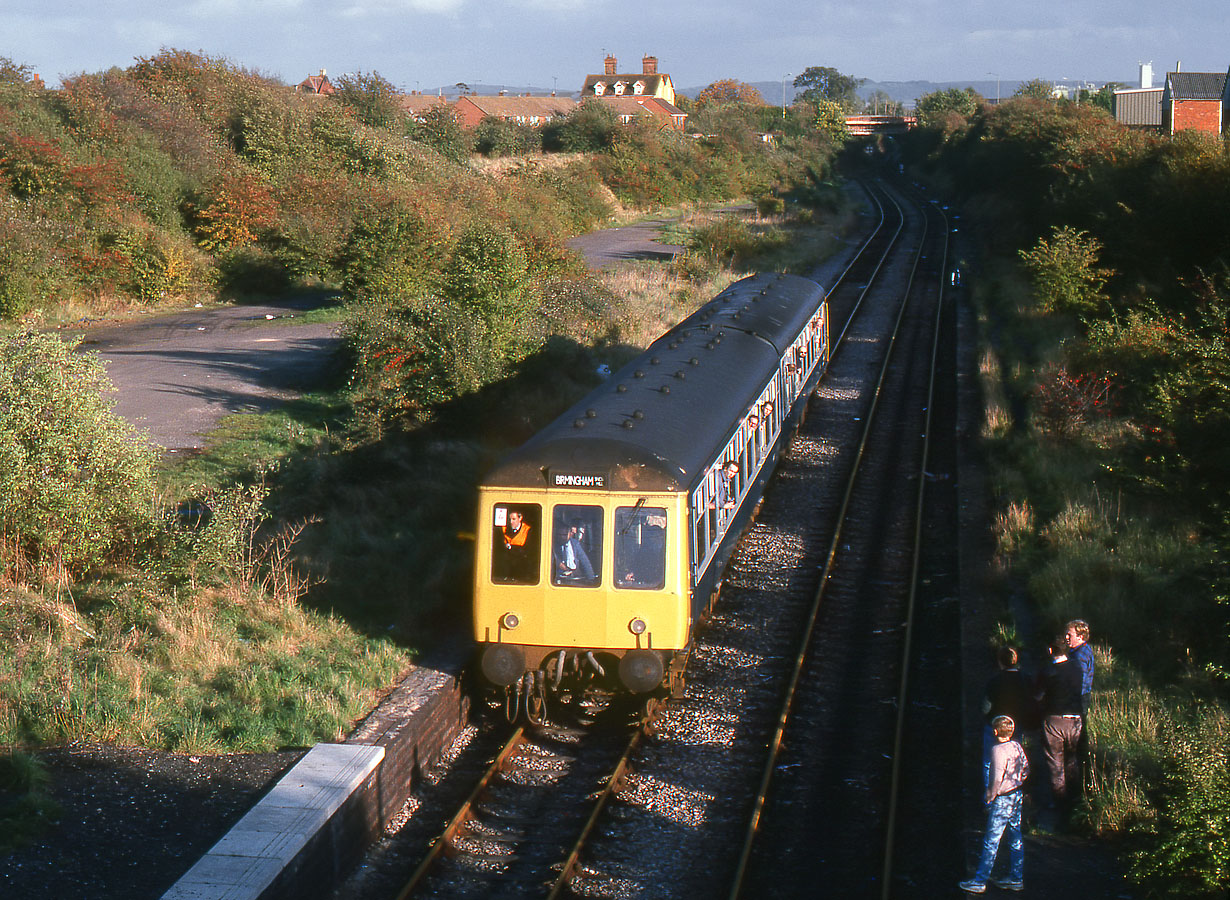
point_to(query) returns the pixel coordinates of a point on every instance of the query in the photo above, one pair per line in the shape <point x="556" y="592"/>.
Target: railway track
<point x="521" y="830"/>
<point x="681" y="814"/>
<point x="862" y="620"/>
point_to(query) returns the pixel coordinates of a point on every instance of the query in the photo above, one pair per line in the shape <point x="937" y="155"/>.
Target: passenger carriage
<point x="602" y="539"/>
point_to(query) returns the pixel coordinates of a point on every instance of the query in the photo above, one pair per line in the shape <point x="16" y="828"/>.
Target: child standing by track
<point x="1009" y="769"/>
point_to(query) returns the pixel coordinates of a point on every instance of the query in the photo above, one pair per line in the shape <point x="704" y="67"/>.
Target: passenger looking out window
<point x="576" y="546"/>
<point x="640" y="547"/>
<point x="727" y="486"/>
<point x="514" y="544"/>
<point x="766" y="419"/>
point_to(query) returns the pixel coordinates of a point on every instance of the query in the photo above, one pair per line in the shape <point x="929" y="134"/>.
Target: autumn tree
<point x="819" y="84"/>
<point x="933" y="108"/>
<point x="1037" y="88"/>
<point x="1065" y="271"/>
<point x="728" y="90"/>
<point x="831" y="120"/>
<point x="372" y="97"/>
<point x="440" y="130"/>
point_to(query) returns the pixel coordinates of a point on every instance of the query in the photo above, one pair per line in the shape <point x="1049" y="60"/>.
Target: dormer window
<point x="638" y="88"/>
<point x="619" y="88"/>
<point x="599" y="88"/>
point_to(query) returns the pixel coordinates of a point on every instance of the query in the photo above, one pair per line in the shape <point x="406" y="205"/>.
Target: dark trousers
<point x="1061" y="737"/>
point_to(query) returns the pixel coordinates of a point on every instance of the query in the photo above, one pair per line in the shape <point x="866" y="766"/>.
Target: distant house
<point x="649" y="83"/>
<point x="1194" y="100"/>
<point x="471" y="109"/>
<point x="416" y="105"/>
<point x="316" y="84"/>
<point x="655" y="108"/>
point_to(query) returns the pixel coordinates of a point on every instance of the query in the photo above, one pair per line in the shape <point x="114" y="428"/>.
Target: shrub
<point x="1065" y="271"/>
<point x="498" y="137"/>
<point x="156" y="265"/>
<point x="440" y="130"/>
<point x="76" y="483"/>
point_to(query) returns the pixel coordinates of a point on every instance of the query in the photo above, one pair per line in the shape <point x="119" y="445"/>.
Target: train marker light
<point x="637" y="626"/>
<point x="510" y="621"/>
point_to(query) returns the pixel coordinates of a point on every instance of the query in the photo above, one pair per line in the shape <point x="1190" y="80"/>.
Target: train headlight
<point x="637" y="626"/>
<point x="510" y="621"/>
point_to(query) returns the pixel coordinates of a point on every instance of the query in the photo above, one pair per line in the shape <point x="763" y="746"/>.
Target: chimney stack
<point x="610" y="65"/>
<point x="649" y="65"/>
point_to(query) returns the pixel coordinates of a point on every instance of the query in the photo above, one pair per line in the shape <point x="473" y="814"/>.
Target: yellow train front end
<point x="584" y="583"/>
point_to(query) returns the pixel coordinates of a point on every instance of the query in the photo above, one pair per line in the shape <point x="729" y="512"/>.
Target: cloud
<point x="364" y="8"/>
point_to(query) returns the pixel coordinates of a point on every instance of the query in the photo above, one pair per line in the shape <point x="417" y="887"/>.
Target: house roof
<point x="316" y="84"/>
<point x="635" y="106"/>
<point x="653" y="83"/>
<point x="505" y="107"/>
<point x="1195" y="85"/>
<point x="417" y="103"/>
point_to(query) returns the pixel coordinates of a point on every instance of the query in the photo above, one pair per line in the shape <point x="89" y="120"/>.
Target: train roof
<point x="658" y="422"/>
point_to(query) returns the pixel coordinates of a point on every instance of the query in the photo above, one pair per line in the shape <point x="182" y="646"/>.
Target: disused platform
<point x="312" y="827"/>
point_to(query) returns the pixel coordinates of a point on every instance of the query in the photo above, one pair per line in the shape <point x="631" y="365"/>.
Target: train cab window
<point x="576" y="546"/>
<point x="640" y="547"/>
<point x="515" y="542"/>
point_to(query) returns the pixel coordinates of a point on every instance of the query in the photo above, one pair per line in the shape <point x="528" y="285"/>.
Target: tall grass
<point x="218" y="670"/>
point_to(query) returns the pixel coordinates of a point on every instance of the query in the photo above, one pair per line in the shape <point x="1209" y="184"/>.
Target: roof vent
<point x="579" y="423"/>
<point x="591" y="413"/>
<point x="621" y="388"/>
<point x="638" y="374"/>
<point x="666" y="389"/>
<point x="628" y="423"/>
<point x="638" y="414"/>
<point x="681" y="374"/>
<point x="694" y="361"/>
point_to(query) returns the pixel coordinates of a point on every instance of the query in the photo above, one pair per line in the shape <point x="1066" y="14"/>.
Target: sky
<point x="554" y="44"/>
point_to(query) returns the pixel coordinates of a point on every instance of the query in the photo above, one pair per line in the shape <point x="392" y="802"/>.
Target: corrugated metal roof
<point x="1139" y="106"/>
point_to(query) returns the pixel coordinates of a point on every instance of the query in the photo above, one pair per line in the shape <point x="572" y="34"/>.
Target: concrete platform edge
<point x="313" y="826"/>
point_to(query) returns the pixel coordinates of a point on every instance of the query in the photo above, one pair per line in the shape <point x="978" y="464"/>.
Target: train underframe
<point x="531" y="677"/>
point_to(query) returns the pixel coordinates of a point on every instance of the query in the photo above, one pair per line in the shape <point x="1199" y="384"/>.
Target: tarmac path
<point x="177" y="374"/>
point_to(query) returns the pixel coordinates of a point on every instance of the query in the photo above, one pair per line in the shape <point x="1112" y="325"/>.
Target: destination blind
<point x="578" y="480"/>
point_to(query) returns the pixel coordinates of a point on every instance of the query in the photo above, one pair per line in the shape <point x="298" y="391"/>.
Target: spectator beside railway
<point x="1009" y="692"/>
<point x="1076" y="633"/>
<point x="1060" y="695"/>
<point x="1004" y="793"/>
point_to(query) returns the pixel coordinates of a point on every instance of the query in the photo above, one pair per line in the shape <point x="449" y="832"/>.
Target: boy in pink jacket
<point x="1009" y="769"/>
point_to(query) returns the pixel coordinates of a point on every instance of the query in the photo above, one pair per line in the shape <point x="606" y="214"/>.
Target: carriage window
<point x="640" y="547"/>
<point x="515" y="543"/>
<point x="576" y="546"/>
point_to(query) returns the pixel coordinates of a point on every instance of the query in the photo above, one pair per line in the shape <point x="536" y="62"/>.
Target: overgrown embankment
<point x="1103" y="295"/>
<point x="262" y="595"/>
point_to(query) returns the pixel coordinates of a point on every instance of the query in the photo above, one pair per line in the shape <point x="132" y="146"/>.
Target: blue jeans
<point x="1003" y="818"/>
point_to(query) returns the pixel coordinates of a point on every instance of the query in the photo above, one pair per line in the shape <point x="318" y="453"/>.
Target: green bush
<point x="1184" y="848"/>
<point x="498" y="137"/>
<point x="76" y="482"/>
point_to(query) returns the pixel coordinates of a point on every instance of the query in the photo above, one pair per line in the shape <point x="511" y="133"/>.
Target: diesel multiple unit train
<point x="602" y="540"/>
